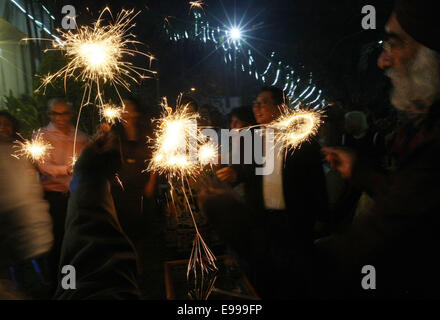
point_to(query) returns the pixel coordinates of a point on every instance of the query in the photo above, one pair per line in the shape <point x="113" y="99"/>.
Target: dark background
<point x="318" y="36"/>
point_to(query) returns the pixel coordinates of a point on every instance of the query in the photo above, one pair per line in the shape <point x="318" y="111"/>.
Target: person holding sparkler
<point x="136" y="187"/>
<point x="281" y="206"/>
<point x="56" y="170"/>
<point x="398" y="236"/>
<point x="94" y="243"/>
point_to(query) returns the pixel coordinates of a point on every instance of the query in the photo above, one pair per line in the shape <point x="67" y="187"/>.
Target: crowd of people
<point x="353" y="196"/>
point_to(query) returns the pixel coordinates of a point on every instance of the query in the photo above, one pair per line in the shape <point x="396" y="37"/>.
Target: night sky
<point x="323" y="36"/>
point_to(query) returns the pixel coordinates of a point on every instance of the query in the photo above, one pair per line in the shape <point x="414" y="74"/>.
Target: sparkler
<point x="73" y="160"/>
<point x="176" y="138"/>
<point x="111" y="113"/>
<point x="196" y="4"/>
<point x="36" y="149"/>
<point x="175" y="130"/>
<point x="97" y="55"/>
<point x="295" y="127"/>
<point x="208" y="153"/>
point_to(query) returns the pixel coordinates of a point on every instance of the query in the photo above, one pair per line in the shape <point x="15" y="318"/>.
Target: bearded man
<point x="397" y="238"/>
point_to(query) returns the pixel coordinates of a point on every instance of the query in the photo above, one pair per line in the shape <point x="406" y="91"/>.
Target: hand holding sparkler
<point x="70" y="170"/>
<point x="101" y="157"/>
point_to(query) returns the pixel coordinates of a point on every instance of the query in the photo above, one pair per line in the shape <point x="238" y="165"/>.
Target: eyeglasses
<point x="391" y="42"/>
<point x="258" y="104"/>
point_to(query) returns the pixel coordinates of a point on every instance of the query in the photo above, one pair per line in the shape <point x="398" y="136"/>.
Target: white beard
<point x="417" y="87"/>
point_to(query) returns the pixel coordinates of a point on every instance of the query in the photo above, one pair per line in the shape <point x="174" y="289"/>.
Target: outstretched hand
<point x="341" y="159"/>
<point x="101" y="156"/>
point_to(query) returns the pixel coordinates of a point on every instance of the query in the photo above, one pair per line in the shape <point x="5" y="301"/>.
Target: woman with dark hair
<point x="136" y="187"/>
<point x="9" y="127"/>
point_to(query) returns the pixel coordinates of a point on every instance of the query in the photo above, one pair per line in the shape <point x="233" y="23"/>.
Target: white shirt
<point x="273" y="191"/>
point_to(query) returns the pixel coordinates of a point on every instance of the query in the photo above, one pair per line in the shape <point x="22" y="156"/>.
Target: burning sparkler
<point x="295" y="127"/>
<point x="175" y="133"/>
<point x="202" y="270"/>
<point x="97" y="55"/>
<point x="175" y="154"/>
<point x="111" y="113"/>
<point x="36" y="149"/>
<point x="208" y="153"/>
<point x="196" y="4"/>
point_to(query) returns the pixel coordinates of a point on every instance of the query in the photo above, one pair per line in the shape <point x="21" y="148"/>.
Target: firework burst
<point x="36" y="150"/>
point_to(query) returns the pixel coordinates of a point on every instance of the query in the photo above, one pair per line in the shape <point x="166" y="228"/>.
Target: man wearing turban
<point x="398" y="237"/>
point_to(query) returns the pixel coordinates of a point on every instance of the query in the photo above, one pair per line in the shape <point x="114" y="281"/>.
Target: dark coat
<point x="268" y="242"/>
<point x="104" y="259"/>
<point x="399" y="236"/>
<point x="304" y="186"/>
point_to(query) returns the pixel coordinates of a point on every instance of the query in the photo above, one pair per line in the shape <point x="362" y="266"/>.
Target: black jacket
<point x="304" y="187"/>
<point x="104" y="259"/>
<point x="273" y="244"/>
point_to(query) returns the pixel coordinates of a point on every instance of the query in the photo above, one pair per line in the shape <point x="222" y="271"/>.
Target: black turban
<point x="420" y="19"/>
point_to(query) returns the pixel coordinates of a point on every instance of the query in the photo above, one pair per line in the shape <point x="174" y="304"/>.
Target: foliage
<point x="29" y="110"/>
